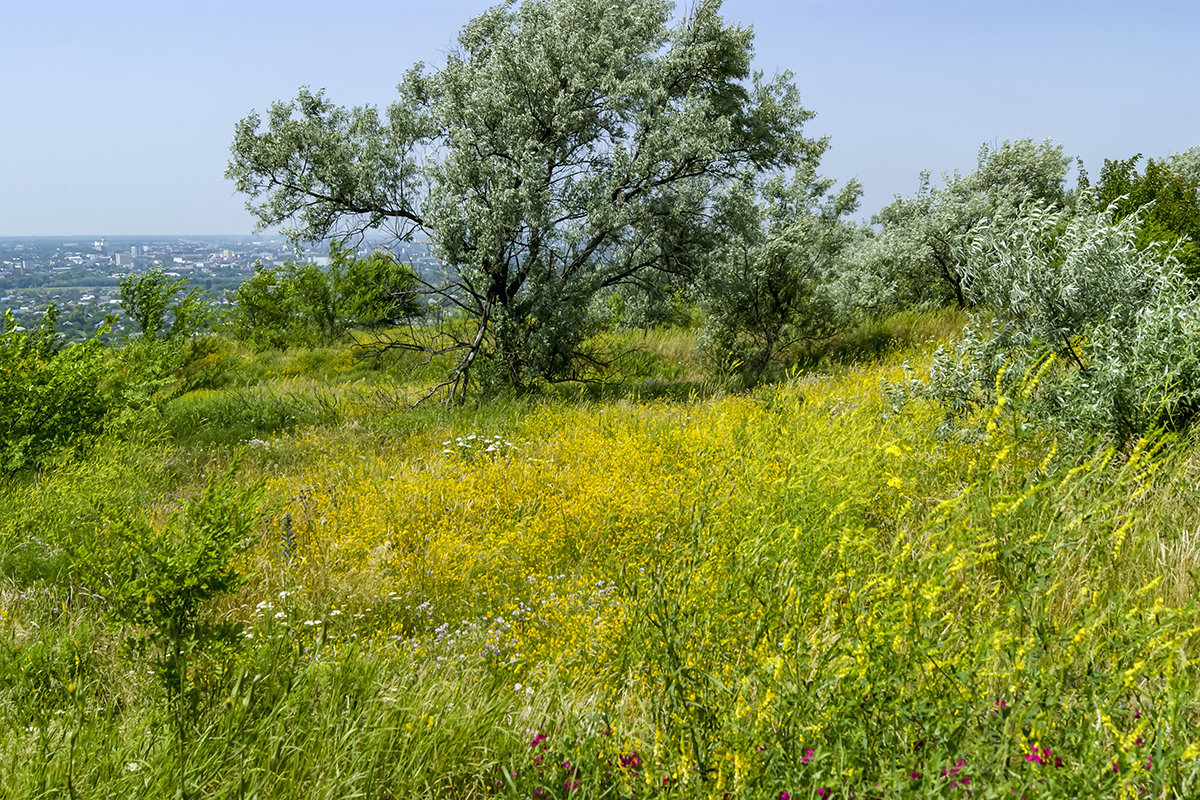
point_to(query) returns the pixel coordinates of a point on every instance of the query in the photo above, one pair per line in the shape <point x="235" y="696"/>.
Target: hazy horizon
<point x="121" y="116"/>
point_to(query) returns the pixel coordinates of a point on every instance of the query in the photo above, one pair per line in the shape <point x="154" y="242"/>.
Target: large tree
<point x="565" y="147"/>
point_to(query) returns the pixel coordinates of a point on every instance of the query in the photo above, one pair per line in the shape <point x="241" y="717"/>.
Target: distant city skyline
<point x="119" y="116"/>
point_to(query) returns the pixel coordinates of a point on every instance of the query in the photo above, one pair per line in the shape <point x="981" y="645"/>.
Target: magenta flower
<point x="1040" y="755"/>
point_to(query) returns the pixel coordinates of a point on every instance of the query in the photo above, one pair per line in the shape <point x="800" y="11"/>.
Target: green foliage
<point x="152" y="300"/>
<point x="163" y="581"/>
<point x="171" y="321"/>
<point x="317" y="315"/>
<point x="566" y="147"/>
<point x="51" y="396"/>
<point x="1167" y="202"/>
<point x="165" y="576"/>
<point x="921" y="254"/>
<point x="765" y="289"/>
<point x="262" y="309"/>
<point x="1100" y="329"/>
<point x="304" y="305"/>
<point x="376" y="291"/>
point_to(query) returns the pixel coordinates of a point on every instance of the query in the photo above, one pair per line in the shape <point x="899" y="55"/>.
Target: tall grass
<point x="796" y="592"/>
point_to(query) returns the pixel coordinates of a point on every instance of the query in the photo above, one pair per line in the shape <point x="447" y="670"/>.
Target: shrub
<point x="51" y="396"/>
<point x="1107" y="326"/>
<point x="163" y="580"/>
<point x="302" y="304"/>
<point x="921" y="256"/>
<point x="152" y="301"/>
<point x="1169" y="203"/>
<point x="765" y="291"/>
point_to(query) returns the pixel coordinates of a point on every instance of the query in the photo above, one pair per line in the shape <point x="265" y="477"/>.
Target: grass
<point x="645" y="591"/>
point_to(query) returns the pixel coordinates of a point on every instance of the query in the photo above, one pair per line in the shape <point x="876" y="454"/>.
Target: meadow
<point x="650" y="588"/>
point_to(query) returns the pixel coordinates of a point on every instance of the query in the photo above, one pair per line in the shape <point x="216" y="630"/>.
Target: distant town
<point x="82" y="275"/>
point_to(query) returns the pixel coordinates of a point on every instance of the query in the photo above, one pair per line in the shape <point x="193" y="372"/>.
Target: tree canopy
<point x="565" y="147"/>
<point x="921" y="254"/>
<point x="1166" y="196"/>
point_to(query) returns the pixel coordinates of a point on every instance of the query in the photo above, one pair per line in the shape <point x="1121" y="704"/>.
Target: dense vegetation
<point x="288" y="587"/>
<point x="733" y="497"/>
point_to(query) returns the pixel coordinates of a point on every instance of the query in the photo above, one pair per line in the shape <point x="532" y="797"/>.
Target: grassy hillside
<point x="651" y="588"/>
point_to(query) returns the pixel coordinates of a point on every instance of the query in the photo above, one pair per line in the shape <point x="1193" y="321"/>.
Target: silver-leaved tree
<point x="1097" y="332"/>
<point x="564" y="148"/>
<point x="921" y="254"/>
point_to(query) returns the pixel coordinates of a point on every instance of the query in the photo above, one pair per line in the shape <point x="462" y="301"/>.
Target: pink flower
<point x="1039" y="755"/>
<point x="808" y="754"/>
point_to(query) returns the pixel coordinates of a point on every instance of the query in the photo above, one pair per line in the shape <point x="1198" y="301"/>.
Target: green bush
<point x="51" y="396"/>
<point x="152" y="301"/>
<point x="1168" y="204"/>
<point x="1099" y="328"/>
<point x="302" y="304"/>
<point x="163" y="581"/>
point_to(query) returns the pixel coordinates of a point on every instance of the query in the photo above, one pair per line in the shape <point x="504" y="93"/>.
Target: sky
<point x="118" y="116"/>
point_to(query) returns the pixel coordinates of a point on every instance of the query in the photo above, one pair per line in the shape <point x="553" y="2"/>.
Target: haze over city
<point x="120" y="115"/>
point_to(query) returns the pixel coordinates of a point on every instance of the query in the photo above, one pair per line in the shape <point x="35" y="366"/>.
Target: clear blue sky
<point x="118" y="116"/>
